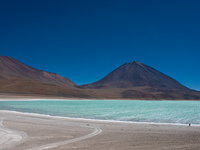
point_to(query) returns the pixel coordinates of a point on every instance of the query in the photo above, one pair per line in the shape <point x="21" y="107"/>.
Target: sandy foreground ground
<point x="20" y="131"/>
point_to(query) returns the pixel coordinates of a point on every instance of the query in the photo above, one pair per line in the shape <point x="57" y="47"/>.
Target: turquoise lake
<point x="181" y="112"/>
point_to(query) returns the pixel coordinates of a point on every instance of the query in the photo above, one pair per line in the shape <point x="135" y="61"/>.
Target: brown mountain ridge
<point x="18" y="78"/>
<point x="12" y="67"/>
<point x="132" y="80"/>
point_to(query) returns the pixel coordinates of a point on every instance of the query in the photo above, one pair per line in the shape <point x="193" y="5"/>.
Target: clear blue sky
<point x="84" y="40"/>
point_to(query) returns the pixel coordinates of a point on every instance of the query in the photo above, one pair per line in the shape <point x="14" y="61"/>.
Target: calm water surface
<point x="182" y="112"/>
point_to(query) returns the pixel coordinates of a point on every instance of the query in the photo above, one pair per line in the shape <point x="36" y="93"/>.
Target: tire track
<point x="10" y="138"/>
<point x="53" y="145"/>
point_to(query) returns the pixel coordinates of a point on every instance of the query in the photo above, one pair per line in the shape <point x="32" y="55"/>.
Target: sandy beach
<point x="36" y="132"/>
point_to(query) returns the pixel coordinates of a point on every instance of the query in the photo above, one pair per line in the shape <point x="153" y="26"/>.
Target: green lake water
<point x="181" y="112"/>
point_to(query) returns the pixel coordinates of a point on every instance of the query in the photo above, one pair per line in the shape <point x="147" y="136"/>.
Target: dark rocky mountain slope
<point x="136" y="74"/>
<point x="135" y="80"/>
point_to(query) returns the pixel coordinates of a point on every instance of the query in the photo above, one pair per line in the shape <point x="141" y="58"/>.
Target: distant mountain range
<point x="132" y="80"/>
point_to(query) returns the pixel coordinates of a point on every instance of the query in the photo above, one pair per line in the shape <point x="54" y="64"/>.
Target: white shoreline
<point x="96" y="120"/>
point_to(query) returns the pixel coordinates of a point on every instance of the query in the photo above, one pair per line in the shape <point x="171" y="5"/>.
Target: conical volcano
<point x="136" y="74"/>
